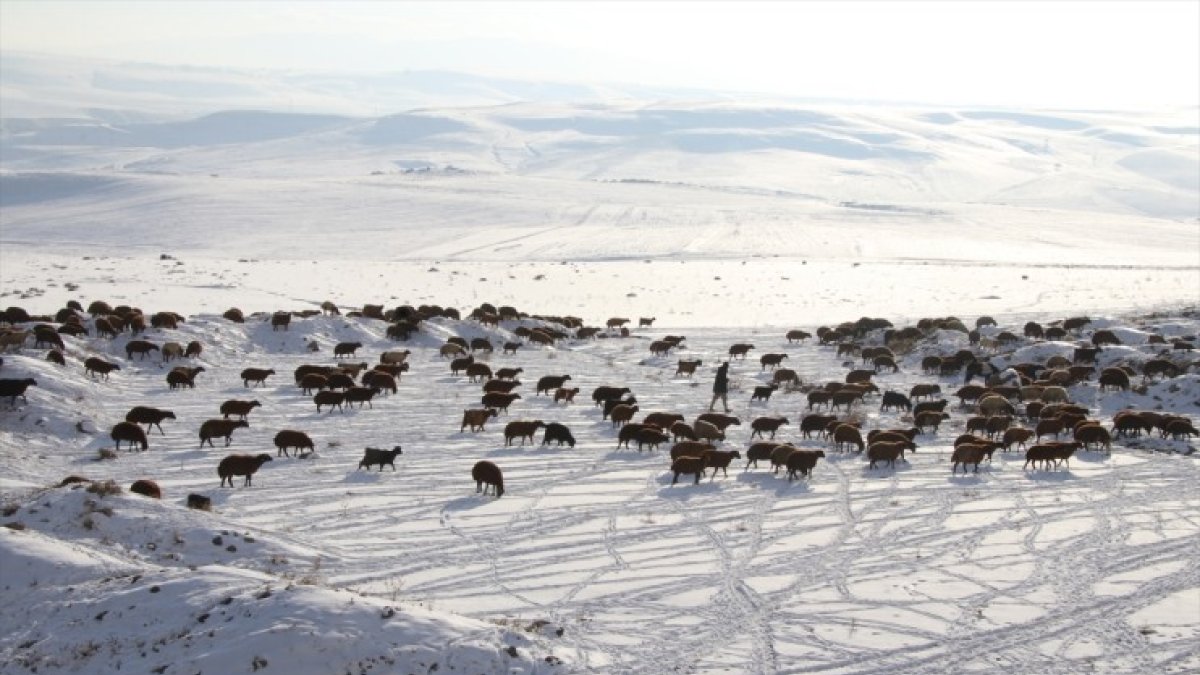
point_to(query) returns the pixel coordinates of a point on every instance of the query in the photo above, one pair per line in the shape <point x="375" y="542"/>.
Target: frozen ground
<point x="1091" y="568"/>
<point x="728" y="222"/>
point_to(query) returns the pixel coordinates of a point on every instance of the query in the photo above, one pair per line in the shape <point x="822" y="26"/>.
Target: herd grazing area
<point x="369" y="546"/>
<point x="593" y="559"/>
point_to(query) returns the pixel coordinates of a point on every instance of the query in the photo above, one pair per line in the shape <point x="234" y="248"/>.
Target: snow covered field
<point x="726" y="222"/>
<point x="854" y="571"/>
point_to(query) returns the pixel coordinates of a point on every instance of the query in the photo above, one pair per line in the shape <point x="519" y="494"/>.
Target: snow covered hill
<point x="592" y="561"/>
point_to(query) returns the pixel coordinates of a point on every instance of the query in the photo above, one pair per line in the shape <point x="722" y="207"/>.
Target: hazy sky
<point x="1079" y="54"/>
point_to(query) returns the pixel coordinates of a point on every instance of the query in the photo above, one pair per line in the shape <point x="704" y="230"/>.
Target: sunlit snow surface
<point x="724" y="223"/>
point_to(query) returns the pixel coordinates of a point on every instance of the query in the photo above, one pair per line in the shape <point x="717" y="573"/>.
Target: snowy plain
<point x="727" y="222"/>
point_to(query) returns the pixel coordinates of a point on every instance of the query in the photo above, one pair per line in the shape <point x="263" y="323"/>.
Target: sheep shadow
<point x="1052" y="476"/>
<point x="965" y="481"/>
<point x="624" y="455"/>
<point x="771" y="481"/>
<point x="469" y="502"/>
<point x="1092" y="456"/>
<point x="883" y="469"/>
<point x="685" y="489"/>
<point x="360" y="477"/>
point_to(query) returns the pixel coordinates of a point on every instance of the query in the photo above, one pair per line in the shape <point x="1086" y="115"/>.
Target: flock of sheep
<point x="1013" y="407"/>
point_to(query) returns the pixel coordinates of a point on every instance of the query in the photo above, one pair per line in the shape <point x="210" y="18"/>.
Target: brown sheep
<point x="475" y="419"/>
<point x="146" y="488"/>
<point x="523" y="429"/>
<point x="1114" y="378"/>
<point x="183" y="377"/>
<point x="616" y="322"/>
<point x="235" y="315"/>
<point x="622" y="414"/>
<point x="313" y="382"/>
<point x="885" y="362"/>
<point x="739" y="350"/>
<point x="802" y="462"/>
<point x="239" y="408"/>
<point x="346" y="349"/>
<point x="394" y="357"/>
<point x="257" y="375"/>
<point x="481" y="344"/>
<point x="613" y="403"/>
<point x="214" y="428"/>
<point x="681" y="430"/>
<point x="1092" y="433"/>
<point x="478" y="372"/>
<point x="924" y="391"/>
<point x="172" y="350"/>
<point x="565" y="395"/>
<point x="930" y="419"/>
<point x="884" y="452"/>
<point x="859" y="376"/>
<point x="660" y="347"/>
<point x="1156" y="367"/>
<point x="779" y="456"/>
<point x="691" y="449"/>
<point x="662" y="420"/>
<point x="815" y="423"/>
<point x="1045" y="454"/>
<point x="606" y="393"/>
<point x="719" y="420"/>
<point x="1179" y="428"/>
<point x="652" y="436"/>
<point x="820" y="398"/>
<point x="130" y="433"/>
<point x="762" y="425"/>
<point x="486" y="474"/>
<point x="760" y="450"/>
<point x="786" y="377"/>
<point x="720" y="459"/>
<point x="1052" y="425"/>
<point x="845" y="434"/>
<point x="1015" y="435"/>
<point x="559" y="433"/>
<point x="773" y="360"/>
<point x="140" y="347"/>
<point x="968" y="453"/>
<point x="629" y="433"/>
<point x="688" y="465"/>
<point x="361" y="395"/>
<point x="1130" y="423"/>
<point x="763" y="393"/>
<point x="289" y="438"/>
<point x="333" y="399"/>
<point x="511" y="347"/>
<point x="707" y="431"/>
<point x="240" y="465"/>
<point x="994" y="404"/>
<point x="845" y="399"/>
<point x="379" y="456"/>
<point x="461" y="364"/>
<point x="502" y="386"/>
<point x="797" y="336"/>
<point x="151" y="417"/>
<point x="451" y="349"/>
<point x="508" y="373"/>
<point x="193" y="349"/>
<point x="687" y="368"/>
<point x="379" y="380"/>
<point x="499" y="400"/>
<point x="549" y="383"/>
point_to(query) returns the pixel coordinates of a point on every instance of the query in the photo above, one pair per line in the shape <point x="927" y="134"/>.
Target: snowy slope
<point x="857" y="570"/>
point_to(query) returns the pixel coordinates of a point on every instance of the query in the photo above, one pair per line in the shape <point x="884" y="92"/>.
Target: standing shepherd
<point x="721" y="386"/>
